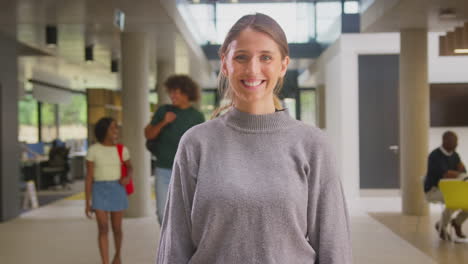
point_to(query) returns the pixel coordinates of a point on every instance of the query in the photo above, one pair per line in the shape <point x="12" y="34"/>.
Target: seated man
<point x="444" y="162"/>
<point x="57" y="163"/>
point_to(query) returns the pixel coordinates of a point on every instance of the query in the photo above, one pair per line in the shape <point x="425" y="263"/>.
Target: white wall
<point x="328" y="71"/>
<point x="447" y="70"/>
<point x="337" y="69"/>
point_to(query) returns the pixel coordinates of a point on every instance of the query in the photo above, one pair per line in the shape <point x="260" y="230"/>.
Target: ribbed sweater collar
<point x="257" y="123"/>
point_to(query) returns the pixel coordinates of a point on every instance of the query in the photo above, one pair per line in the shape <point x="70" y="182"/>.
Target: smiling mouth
<point x="252" y="84"/>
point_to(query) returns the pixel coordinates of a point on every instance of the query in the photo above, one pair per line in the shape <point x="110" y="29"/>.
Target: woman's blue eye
<point x="266" y="57"/>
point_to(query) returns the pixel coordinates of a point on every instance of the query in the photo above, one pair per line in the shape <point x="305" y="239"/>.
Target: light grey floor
<point x="59" y="233"/>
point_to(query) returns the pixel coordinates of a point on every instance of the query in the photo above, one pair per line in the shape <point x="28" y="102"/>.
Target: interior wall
<point x="337" y="70"/>
<point x="445" y="69"/>
<point x="448" y="69"/>
<point x="327" y="75"/>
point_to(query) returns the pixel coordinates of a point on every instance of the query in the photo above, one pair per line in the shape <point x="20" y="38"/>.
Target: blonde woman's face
<point x="253" y="66"/>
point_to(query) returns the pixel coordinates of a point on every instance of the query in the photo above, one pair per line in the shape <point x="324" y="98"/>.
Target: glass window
<point x="49" y="128"/>
<point x="203" y="16"/>
<point x="366" y="4"/>
<point x="308" y="106"/>
<point x="290" y="105"/>
<point x="351" y="7"/>
<point x="153" y="100"/>
<point x="73" y="119"/>
<point x="28" y="129"/>
<point x="328" y="21"/>
<point x="208" y="102"/>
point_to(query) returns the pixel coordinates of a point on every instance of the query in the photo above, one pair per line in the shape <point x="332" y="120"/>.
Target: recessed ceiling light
<point x="51" y="36"/>
<point x="114" y="65"/>
<point x="89" y="53"/>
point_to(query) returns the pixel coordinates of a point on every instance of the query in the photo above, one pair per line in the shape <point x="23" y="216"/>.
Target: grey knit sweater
<point x="254" y="189"/>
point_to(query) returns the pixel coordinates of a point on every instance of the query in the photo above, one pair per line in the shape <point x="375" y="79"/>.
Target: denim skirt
<point x="109" y="196"/>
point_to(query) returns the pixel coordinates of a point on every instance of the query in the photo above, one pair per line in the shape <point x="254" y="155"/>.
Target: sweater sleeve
<point x="176" y="246"/>
<point x="328" y="220"/>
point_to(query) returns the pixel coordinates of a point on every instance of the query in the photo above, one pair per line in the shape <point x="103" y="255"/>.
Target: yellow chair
<point x="455" y="194"/>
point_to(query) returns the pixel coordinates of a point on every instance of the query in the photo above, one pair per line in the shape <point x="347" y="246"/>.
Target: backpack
<point x="151" y="145"/>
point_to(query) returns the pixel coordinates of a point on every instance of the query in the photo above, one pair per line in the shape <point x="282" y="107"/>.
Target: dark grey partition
<point x="378" y="121"/>
<point x="9" y="147"/>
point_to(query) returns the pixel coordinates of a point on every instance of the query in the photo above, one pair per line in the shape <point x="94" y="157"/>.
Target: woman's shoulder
<point x="94" y="146"/>
<point x="308" y="132"/>
<point x="93" y="149"/>
<point x="100" y="147"/>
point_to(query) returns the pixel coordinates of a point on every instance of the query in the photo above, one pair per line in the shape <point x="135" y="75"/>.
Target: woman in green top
<point x="166" y="128"/>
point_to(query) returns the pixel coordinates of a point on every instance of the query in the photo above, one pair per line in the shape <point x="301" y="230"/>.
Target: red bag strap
<point x="120" y="151"/>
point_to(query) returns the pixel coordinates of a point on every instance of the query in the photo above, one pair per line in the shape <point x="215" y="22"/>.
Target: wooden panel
<point x="95" y="113"/>
<point x="449" y="104"/>
<point x="99" y="96"/>
<point x="102" y="103"/>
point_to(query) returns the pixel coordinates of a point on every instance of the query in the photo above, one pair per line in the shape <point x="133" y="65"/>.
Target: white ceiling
<point x="83" y="22"/>
<point x="394" y="15"/>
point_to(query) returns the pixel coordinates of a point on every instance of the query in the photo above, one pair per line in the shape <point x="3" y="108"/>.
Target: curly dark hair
<point x="100" y="130"/>
<point x="185" y="84"/>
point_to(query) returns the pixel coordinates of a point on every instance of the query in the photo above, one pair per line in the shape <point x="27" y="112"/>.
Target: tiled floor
<point x="385" y="207"/>
<point x="59" y="233"/>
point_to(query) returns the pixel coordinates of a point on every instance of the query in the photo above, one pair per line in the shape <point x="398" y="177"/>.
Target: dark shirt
<point x="438" y="165"/>
<point x="58" y="156"/>
<point x="169" y="137"/>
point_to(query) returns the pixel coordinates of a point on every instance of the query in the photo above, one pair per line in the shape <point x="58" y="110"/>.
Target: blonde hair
<point x="260" y="23"/>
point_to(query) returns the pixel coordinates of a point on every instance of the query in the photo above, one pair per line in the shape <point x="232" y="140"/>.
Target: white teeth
<point x="252" y="83"/>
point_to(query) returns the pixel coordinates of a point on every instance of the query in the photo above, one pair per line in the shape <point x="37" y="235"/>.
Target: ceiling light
<point x="89" y="54"/>
<point x="447" y="13"/>
<point x="115" y="65"/>
<point x="461" y="51"/>
<point x="51" y="36"/>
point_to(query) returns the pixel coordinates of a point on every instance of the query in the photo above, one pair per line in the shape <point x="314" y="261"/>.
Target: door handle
<point x="394" y="148"/>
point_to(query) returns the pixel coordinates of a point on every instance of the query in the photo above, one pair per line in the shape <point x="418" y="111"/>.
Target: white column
<point x="182" y="59"/>
<point x="414" y="119"/>
<point x="135" y="107"/>
<point x="165" y="69"/>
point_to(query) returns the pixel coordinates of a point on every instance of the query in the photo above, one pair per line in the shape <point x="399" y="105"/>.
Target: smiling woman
<point x="254" y="185"/>
<point x="254" y="66"/>
<point x="254" y="60"/>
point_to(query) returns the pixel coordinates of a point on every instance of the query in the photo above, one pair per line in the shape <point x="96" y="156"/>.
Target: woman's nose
<point x="253" y="66"/>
